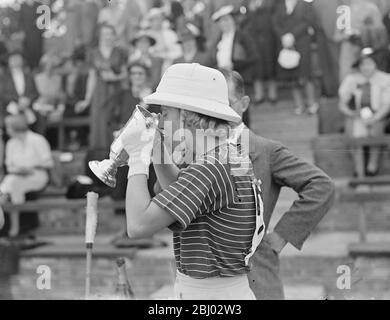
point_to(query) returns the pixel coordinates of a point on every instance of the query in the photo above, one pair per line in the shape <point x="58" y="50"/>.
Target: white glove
<point x="288" y="40"/>
<point x="138" y="143"/>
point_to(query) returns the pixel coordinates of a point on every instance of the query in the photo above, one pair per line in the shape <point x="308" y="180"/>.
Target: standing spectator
<point x="125" y="16"/>
<point x="51" y="97"/>
<point x="366" y="30"/>
<point x="193" y="47"/>
<point x="294" y="22"/>
<point x="167" y="47"/>
<point x="142" y="44"/>
<point x="365" y="101"/>
<point x="235" y="49"/>
<point x="19" y="90"/>
<point x="28" y="159"/>
<point x="32" y="35"/>
<point x="259" y="25"/>
<point x="108" y="70"/>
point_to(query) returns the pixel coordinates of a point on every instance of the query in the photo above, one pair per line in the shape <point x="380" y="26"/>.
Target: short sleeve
<point x="199" y="190"/>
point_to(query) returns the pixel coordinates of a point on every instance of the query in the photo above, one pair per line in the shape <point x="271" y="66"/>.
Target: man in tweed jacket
<point x="277" y="167"/>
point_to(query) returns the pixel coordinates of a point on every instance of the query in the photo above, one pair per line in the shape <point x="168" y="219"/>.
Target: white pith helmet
<point x="195" y="88"/>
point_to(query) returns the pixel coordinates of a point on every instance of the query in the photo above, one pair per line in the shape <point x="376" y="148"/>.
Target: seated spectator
<point x="193" y="47"/>
<point x="167" y="47"/>
<point x="235" y="49"/>
<point x="143" y="44"/>
<point x="50" y="104"/>
<point x="365" y="101"/>
<point x="19" y="89"/>
<point x="28" y="159"/>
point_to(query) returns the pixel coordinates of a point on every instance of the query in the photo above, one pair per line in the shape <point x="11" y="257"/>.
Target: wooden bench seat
<point x="383" y="180"/>
<point x="47" y="204"/>
<point x="61" y="203"/>
<point x="332" y="153"/>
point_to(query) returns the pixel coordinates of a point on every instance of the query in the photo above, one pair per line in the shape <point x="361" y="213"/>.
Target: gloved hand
<point x="137" y="140"/>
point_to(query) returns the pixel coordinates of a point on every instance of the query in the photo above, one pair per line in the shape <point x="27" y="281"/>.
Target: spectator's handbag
<point x="289" y="58"/>
<point x="359" y="129"/>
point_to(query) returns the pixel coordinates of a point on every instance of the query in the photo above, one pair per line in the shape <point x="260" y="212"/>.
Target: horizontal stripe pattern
<point x="214" y="209"/>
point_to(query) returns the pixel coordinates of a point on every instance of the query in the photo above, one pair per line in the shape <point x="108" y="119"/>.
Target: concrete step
<point x="292" y="292"/>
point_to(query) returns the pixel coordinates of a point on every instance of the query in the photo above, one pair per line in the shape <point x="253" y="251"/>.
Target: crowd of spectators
<point x="100" y="58"/>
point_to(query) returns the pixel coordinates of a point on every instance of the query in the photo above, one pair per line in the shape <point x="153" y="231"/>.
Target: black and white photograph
<point x="211" y="151"/>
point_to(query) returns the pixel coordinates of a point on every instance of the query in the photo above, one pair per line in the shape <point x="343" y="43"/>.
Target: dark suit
<point x="8" y="91"/>
<point x="244" y="59"/>
<point x="298" y="23"/>
<point x="277" y="167"/>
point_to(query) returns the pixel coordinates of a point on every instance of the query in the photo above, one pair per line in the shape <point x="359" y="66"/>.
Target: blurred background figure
<point x="28" y="160"/>
<point x="193" y="13"/>
<point x="259" y="25"/>
<point x="49" y="106"/>
<point x="294" y="22"/>
<point x="142" y="44"/>
<point x="19" y="87"/>
<point x="106" y="76"/>
<point x="167" y="46"/>
<point x="365" y="101"/>
<point x="75" y="73"/>
<point x="366" y="30"/>
<point x="173" y="11"/>
<point x="127" y="99"/>
<point x="193" y="46"/>
<point x="235" y="49"/>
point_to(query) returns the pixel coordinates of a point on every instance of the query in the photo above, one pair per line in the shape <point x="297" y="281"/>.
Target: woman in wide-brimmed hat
<point x="143" y="44"/>
<point x="365" y="101"/>
<point x="214" y="206"/>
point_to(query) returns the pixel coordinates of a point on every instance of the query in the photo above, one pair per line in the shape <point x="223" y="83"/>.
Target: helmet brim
<point x="203" y="106"/>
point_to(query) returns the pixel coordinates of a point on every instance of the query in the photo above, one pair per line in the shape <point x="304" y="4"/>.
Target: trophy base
<point x="100" y="170"/>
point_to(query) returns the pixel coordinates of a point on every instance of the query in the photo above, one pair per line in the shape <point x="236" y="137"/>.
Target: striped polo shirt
<point x="214" y="207"/>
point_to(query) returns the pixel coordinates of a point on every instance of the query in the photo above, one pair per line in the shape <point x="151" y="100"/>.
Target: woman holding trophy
<point x="214" y="206"/>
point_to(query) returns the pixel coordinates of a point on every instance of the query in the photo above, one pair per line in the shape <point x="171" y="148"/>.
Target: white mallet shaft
<point x="90" y="233"/>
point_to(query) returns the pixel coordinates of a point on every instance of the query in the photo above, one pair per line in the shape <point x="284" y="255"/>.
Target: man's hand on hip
<point x="275" y="241"/>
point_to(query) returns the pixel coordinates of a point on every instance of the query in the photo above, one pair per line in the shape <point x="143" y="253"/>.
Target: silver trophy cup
<point x="106" y="170"/>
